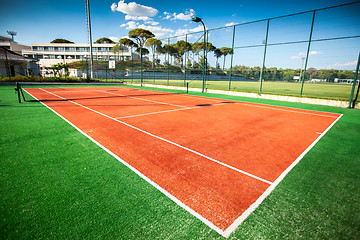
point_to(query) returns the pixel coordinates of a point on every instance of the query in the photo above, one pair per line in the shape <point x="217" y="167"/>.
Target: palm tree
<point x="153" y="43"/>
<point x="217" y="54"/>
<point x="117" y="49"/>
<point x="225" y="51"/>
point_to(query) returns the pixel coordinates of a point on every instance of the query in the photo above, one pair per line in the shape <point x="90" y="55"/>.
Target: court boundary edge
<point x="225" y="233"/>
<point x="257" y="203"/>
<point x="167" y="194"/>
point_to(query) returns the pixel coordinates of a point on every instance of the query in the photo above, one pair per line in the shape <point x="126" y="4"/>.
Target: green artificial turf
<point x="57" y="184"/>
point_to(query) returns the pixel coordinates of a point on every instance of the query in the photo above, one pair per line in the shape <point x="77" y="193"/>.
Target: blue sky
<point x="44" y="20"/>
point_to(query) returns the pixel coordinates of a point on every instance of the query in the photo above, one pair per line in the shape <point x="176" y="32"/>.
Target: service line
<point x="142" y="99"/>
<point x="163" y="139"/>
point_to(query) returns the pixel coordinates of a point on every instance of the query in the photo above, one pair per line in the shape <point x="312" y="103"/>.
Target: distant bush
<point x="61" y="40"/>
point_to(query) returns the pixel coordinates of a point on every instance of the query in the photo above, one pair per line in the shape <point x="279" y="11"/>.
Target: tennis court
<point x="217" y="159"/>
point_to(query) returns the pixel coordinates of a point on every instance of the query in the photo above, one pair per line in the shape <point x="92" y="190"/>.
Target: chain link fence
<point x="309" y="54"/>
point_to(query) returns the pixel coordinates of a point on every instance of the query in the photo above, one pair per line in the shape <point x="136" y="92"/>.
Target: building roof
<point x="10" y="55"/>
<point x="5" y="39"/>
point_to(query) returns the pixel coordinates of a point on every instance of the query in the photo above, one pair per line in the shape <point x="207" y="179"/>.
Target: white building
<point x="11" y="45"/>
<point x="53" y="53"/>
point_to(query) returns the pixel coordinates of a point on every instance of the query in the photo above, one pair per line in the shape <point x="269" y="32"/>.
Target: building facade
<point x="50" y="54"/>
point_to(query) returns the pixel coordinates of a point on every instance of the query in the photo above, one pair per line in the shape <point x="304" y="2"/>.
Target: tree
<point x="170" y="51"/>
<point x="58" y="67"/>
<point x="128" y="43"/>
<point x="117" y="49"/>
<point x="199" y="46"/>
<point x="181" y="47"/>
<point x="141" y="35"/>
<point x="142" y="51"/>
<point x="196" y="48"/>
<point x="217" y="54"/>
<point x="161" y="50"/>
<point x="153" y="43"/>
<point x="225" y="51"/>
<point x="104" y="40"/>
<point x="61" y="40"/>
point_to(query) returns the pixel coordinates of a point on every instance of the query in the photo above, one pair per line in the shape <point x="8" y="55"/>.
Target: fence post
<point x="354" y="83"/>
<point x="232" y="56"/>
<point x="168" y="62"/>
<point x="185" y="56"/>
<point x="264" y="57"/>
<point x="307" y="53"/>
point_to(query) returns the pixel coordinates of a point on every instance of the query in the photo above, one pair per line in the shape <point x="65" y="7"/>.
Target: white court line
<point x="162" y="190"/>
<point x="262" y="105"/>
<point x="256" y="204"/>
<point x="286" y="110"/>
<point x="166" y="111"/>
<point x="163" y="139"/>
<point x="143" y="99"/>
<point x="241" y="218"/>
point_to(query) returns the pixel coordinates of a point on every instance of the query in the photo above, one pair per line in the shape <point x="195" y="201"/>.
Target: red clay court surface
<point x="216" y="158"/>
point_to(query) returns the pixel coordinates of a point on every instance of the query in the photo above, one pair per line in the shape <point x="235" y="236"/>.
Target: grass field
<point x="313" y="90"/>
<point x="57" y="184"/>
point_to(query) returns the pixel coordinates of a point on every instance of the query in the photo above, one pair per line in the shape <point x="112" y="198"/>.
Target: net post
<point x="187" y="87"/>
<point x="19" y="91"/>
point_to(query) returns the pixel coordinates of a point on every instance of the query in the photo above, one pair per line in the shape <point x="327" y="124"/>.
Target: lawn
<point x="57" y="184"/>
<point x="313" y="90"/>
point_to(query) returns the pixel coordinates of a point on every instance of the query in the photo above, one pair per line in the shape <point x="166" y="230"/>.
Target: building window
<point x="58" y="49"/>
<point x="69" y="49"/>
<point x="102" y="49"/>
<point x="49" y="49"/>
<point x="80" y="49"/>
<point x="38" y="49"/>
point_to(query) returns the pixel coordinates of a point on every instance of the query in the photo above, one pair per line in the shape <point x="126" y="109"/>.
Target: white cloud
<point x="230" y="24"/>
<point x="152" y="23"/>
<point x="180" y="16"/>
<point x="197" y="29"/>
<point x="129" y="25"/>
<point x="187" y="31"/>
<point x="302" y="54"/>
<point x="157" y="30"/>
<point x="113" y="7"/>
<point x="315" y="53"/>
<point x="115" y="39"/>
<point x="347" y="65"/>
<point x="133" y="9"/>
<point x="137" y="18"/>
